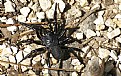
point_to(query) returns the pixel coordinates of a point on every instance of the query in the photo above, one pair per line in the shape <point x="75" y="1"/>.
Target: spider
<point x="54" y="38"/>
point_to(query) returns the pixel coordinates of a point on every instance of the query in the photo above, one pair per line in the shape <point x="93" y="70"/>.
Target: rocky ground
<point x="99" y="32"/>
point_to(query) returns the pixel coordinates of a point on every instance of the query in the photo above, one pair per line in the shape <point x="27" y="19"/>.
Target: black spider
<point x="54" y="38"/>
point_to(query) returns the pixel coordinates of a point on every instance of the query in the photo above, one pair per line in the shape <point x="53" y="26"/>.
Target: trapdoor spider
<point x="54" y="38"/>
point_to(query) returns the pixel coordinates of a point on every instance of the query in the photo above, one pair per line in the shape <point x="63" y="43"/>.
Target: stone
<point x="75" y="62"/>
<point x="19" y="56"/>
<point x="119" y="6"/>
<point x="37" y="58"/>
<point x="78" y="67"/>
<point x="117" y="1"/>
<point x="23" y="1"/>
<point x="113" y="54"/>
<point x="12" y="29"/>
<point x="12" y="59"/>
<point x="100" y="27"/>
<point x="79" y="36"/>
<point x="118" y="39"/>
<point x="21" y="18"/>
<point x="25" y="11"/>
<point x="103" y="53"/>
<point x="99" y="20"/>
<point x="54" y="61"/>
<point x="74" y="74"/>
<point x="90" y="33"/>
<point x="3" y="19"/>
<point x="45" y="4"/>
<point x="9" y="6"/>
<point x="50" y="13"/>
<point x="109" y="22"/>
<point x="6" y="65"/>
<point x="113" y="33"/>
<point x="118" y="16"/>
<point x="40" y="15"/>
<point x="83" y="3"/>
<point x="45" y="71"/>
<point x="10" y="21"/>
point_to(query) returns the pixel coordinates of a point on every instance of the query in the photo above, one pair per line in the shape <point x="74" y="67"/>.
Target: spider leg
<point x="34" y="53"/>
<point x="48" y="62"/>
<point x="55" y="19"/>
<point x="72" y="50"/>
<point x="30" y="41"/>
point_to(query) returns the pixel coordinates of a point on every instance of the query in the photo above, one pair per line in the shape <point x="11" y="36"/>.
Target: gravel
<point x="99" y="23"/>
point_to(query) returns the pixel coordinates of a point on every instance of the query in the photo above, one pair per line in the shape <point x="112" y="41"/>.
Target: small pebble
<point x="118" y="16"/>
<point x="78" y="67"/>
<point x="12" y="59"/>
<point x="50" y="14"/>
<point x="25" y="11"/>
<point x="79" y="36"/>
<point x="75" y="62"/>
<point x="103" y="53"/>
<point x="113" y="54"/>
<point x="109" y="22"/>
<point x="9" y="6"/>
<point x="19" y="56"/>
<point x="90" y="33"/>
<point x="21" y="18"/>
<point x="99" y="20"/>
<point x="113" y="33"/>
<point x="83" y="3"/>
<point x="74" y="74"/>
<point x="40" y="15"/>
<point x="45" y="4"/>
<point x="10" y="21"/>
<point x="12" y="29"/>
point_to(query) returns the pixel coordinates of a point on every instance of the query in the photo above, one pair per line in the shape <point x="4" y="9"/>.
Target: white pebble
<point x="113" y="33"/>
<point x="100" y="27"/>
<point x="74" y="74"/>
<point x="3" y="19"/>
<point x="99" y="20"/>
<point x="9" y="6"/>
<point x="4" y="64"/>
<point x="83" y="3"/>
<point x="19" y="56"/>
<point x="45" y="4"/>
<point x="103" y="53"/>
<point x="78" y="67"/>
<point x="12" y="59"/>
<point x="119" y="6"/>
<point x="21" y="18"/>
<point x="37" y="58"/>
<point x="118" y="16"/>
<point x="12" y="29"/>
<point x="109" y="22"/>
<point x="54" y="61"/>
<point x="85" y="49"/>
<point x="25" y="11"/>
<point x="113" y="55"/>
<point x="23" y="1"/>
<point x="75" y="62"/>
<point x="10" y="21"/>
<point x="90" y="33"/>
<point x="79" y="35"/>
<point x="119" y="57"/>
<point x="40" y="15"/>
<point x="118" y="39"/>
<point x="50" y="14"/>
<point x="45" y="71"/>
